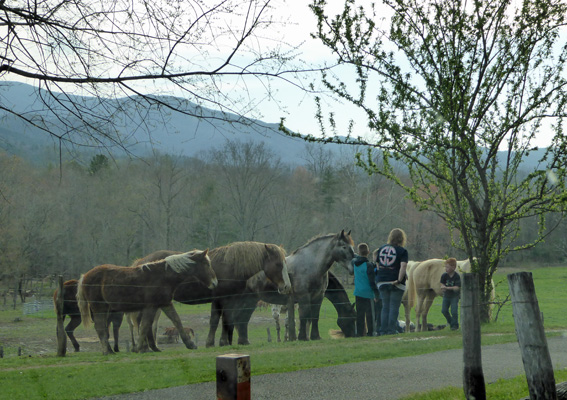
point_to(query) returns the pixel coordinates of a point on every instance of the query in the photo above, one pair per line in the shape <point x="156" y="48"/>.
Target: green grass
<point x="78" y="375"/>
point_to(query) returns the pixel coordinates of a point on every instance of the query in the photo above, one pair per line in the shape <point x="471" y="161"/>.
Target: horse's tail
<point x="412" y="292"/>
<point x="83" y="304"/>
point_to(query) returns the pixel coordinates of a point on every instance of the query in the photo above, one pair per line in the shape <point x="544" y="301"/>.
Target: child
<point x="363" y="292"/>
<point x="451" y="288"/>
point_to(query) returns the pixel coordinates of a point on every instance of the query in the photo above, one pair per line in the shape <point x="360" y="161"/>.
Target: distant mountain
<point x="140" y="130"/>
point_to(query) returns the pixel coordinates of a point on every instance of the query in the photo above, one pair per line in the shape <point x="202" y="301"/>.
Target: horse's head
<point x="275" y="268"/>
<point x="347" y="321"/>
<point x="343" y="252"/>
<point x="198" y="264"/>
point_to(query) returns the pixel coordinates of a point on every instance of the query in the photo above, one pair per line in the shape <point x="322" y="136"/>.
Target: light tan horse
<point x="424" y="284"/>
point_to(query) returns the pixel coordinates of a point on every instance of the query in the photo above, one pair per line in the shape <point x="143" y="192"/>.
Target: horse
<point x="233" y="265"/>
<point x="71" y="308"/>
<point x="338" y="296"/>
<point x="424" y="284"/>
<point x="110" y="288"/>
<point x="308" y="268"/>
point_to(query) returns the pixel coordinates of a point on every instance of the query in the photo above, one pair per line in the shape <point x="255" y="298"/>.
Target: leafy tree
<point x="206" y="52"/>
<point x="457" y="92"/>
<point x="98" y="163"/>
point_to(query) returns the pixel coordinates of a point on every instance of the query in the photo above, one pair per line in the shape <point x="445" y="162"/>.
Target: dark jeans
<point x="364" y="318"/>
<point x="391" y="300"/>
<point x="452" y="316"/>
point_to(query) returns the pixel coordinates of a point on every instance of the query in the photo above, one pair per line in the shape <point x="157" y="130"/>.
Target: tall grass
<point x="79" y="375"/>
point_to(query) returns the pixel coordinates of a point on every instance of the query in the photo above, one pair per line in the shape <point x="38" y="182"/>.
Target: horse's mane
<point x="177" y="262"/>
<point x="180" y="262"/>
<point x="247" y="257"/>
<point x="321" y="237"/>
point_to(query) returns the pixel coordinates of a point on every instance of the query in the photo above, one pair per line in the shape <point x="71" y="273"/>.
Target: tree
<point x="457" y="92"/>
<point x="206" y="52"/>
<point x="247" y="174"/>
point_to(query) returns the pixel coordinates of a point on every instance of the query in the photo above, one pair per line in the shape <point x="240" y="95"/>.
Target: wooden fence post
<point x="61" y="335"/>
<point x="473" y="376"/>
<point x="292" y="336"/>
<point x="233" y="377"/>
<point x="531" y="337"/>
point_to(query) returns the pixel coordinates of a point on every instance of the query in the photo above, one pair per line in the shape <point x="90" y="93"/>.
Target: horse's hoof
<point x="156" y="350"/>
<point x="207" y="345"/>
<point x="223" y="343"/>
<point x="316" y="338"/>
<point x="244" y="342"/>
<point x="191" y="346"/>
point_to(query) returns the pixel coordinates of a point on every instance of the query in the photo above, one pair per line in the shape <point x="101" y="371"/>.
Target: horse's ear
<point x="205" y="252"/>
<point x="343" y="233"/>
<point x="348" y="234"/>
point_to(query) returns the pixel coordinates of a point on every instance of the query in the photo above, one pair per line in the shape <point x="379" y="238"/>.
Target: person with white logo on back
<point x="391" y="260"/>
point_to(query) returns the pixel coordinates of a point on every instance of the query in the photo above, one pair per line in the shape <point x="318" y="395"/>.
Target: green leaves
<point x="458" y="92"/>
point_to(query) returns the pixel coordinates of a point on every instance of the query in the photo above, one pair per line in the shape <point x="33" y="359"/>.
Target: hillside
<point x="139" y="130"/>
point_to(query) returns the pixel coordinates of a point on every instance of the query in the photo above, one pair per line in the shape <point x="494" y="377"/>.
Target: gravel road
<point x="383" y="379"/>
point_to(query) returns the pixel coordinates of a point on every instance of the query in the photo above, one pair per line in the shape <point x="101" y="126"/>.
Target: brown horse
<point x="149" y="287"/>
<point x="233" y="265"/>
<point x="71" y="308"/>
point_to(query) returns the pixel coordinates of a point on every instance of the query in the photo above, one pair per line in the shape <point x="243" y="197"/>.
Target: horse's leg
<point x="407" y="311"/>
<point x="315" y="310"/>
<point x="70" y="330"/>
<point x="304" y="317"/>
<point x="243" y="314"/>
<point x="174" y="317"/>
<point x="227" y="331"/>
<point x="144" y="335"/>
<point x="427" y="305"/>
<point x="131" y="318"/>
<point x="101" y="327"/>
<point x="116" y="318"/>
<point x="419" y="309"/>
<point x="276" y="315"/>
<point x="156" y="324"/>
<point x="213" y="322"/>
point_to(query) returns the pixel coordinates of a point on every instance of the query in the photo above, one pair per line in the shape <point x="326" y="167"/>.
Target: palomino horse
<point x="424" y="284"/>
<point x="338" y="296"/>
<point x="71" y="308"/>
<point x="233" y="265"/>
<point x="110" y="288"/>
<point x="308" y="268"/>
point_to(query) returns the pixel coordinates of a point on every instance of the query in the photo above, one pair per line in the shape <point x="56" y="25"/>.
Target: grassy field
<point x="38" y="374"/>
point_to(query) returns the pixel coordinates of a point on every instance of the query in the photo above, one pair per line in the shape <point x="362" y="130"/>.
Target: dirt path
<point x="384" y="379"/>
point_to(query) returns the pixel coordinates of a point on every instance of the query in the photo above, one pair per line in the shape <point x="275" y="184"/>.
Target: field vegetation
<point x="39" y="374"/>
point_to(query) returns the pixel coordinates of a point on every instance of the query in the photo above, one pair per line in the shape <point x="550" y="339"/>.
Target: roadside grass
<point x="89" y="374"/>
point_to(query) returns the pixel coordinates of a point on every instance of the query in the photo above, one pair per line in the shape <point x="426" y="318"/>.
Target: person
<point x="363" y="292"/>
<point x="451" y="288"/>
<point x="391" y="260"/>
<point x="372" y="276"/>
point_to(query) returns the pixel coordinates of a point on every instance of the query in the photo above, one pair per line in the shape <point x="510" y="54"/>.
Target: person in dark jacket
<point x="392" y="260"/>
<point x="363" y="292"/>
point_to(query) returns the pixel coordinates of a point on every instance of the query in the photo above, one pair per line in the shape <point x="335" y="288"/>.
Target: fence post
<point x="233" y="377"/>
<point x="292" y="336"/>
<point x="531" y="337"/>
<point x="61" y="335"/>
<point x="473" y="376"/>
